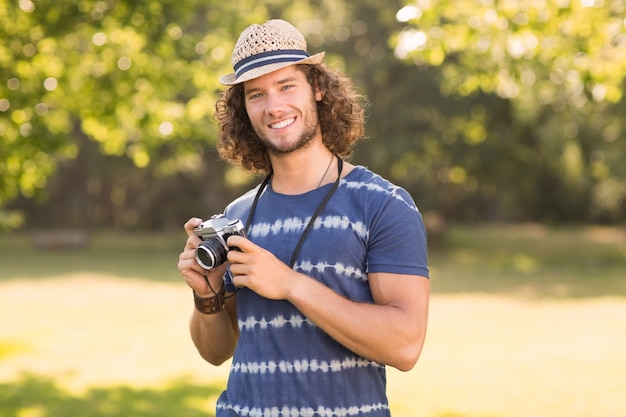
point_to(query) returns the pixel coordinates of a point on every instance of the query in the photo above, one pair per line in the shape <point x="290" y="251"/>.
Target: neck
<point x="300" y="172"/>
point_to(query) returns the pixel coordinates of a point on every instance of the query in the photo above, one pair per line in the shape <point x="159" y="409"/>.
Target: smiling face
<point x="282" y="108"/>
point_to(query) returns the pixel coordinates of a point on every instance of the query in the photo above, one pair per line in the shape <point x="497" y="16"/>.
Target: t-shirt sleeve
<point x="397" y="241"/>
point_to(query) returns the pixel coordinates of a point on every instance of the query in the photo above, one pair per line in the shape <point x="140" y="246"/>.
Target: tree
<point x="137" y="78"/>
<point x="490" y="110"/>
<point x="560" y="68"/>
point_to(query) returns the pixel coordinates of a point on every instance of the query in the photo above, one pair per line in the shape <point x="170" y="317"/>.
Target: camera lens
<point x="210" y="253"/>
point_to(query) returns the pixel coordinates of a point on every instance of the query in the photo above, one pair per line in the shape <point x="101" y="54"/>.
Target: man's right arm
<point x="215" y="335"/>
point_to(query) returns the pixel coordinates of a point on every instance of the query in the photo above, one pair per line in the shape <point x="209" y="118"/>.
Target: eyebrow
<point x="282" y="81"/>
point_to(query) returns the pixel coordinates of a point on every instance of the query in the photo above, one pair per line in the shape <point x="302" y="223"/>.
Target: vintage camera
<point x="214" y="233"/>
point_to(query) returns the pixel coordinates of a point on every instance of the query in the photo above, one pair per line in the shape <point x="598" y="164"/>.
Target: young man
<point x="310" y="315"/>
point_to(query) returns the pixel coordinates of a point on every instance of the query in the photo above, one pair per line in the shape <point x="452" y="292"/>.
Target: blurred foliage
<point x="542" y="82"/>
<point x="508" y="110"/>
<point x="137" y="78"/>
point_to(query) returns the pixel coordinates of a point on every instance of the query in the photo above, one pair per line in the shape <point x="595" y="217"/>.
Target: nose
<point x="274" y="105"/>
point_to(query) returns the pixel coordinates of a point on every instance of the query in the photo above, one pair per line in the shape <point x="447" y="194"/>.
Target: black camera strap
<point x="256" y="200"/>
<point x="316" y="214"/>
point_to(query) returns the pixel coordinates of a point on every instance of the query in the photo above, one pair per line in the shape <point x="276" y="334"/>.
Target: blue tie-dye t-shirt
<point x="284" y="365"/>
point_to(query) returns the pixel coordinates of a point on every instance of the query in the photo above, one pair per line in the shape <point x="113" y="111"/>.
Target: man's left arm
<point x="390" y="331"/>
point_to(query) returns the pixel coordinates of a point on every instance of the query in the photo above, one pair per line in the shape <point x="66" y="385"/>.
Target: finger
<point x="242" y="249"/>
<point x="192" y="224"/>
<point x="187" y="260"/>
<point x="192" y="242"/>
<point x="195" y="281"/>
<point x="237" y="268"/>
<point x="198" y="278"/>
<point x="189" y="268"/>
<point x="245" y="245"/>
<point x="239" y="281"/>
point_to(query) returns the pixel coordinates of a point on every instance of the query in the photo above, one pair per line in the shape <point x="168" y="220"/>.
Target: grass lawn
<point x="524" y="320"/>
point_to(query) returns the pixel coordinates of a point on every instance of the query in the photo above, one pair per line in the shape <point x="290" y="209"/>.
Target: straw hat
<point x="264" y="48"/>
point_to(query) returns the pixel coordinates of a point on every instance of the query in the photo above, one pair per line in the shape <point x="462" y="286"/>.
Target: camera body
<point x="214" y="233"/>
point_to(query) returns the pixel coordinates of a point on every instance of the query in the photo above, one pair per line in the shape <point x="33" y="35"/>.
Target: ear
<point x="318" y="94"/>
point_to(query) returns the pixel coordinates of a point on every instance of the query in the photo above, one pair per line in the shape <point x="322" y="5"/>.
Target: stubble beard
<point x="311" y="128"/>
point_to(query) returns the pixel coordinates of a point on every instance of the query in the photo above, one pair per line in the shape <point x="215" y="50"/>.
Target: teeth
<point x="282" y="124"/>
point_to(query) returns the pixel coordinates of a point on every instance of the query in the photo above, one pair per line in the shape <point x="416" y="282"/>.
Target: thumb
<point x="192" y="224"/>
<point x="241" y="243"/>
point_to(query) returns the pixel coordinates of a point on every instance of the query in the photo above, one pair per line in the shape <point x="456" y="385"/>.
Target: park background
<point x="504" y="119"/>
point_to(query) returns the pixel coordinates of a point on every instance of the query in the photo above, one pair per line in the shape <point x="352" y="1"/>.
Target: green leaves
<point x="563" y="49"/>
<point x="560" y="65"/>
<point x="131" y="76"/>
<point x="483" y="109"/>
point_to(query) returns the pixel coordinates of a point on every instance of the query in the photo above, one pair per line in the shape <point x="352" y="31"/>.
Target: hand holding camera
<point x="254" y="268"/>
<point x="214" y="233"/>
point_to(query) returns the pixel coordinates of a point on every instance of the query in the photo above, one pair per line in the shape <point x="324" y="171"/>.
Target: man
<point x="331" y="283"/>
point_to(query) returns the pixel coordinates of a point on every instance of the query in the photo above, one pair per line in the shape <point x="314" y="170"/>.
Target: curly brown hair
<point x="341" y="114"/>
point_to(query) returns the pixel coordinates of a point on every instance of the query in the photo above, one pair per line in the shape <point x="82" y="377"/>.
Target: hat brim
<point x="231" y="79"/>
